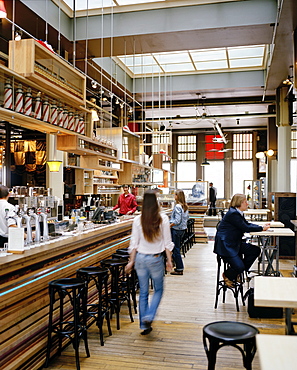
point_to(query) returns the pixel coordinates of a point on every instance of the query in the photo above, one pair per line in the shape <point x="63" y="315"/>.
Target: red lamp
<point x="3" y="13"/>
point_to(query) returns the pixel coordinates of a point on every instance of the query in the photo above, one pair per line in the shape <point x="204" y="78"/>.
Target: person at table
<point x="149" y="239"/>
<point x="229" y="243"/>
<point x="178" y="223"/>
<point x="127" y="204"/>
<point x="7" y="215"/>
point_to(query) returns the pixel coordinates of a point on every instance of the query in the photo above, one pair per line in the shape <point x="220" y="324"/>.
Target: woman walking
<point x="178" y="224"/>
<point x="149" y="239"/>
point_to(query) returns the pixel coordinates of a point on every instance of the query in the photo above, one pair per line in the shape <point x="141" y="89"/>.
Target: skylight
<point x="97" y="4"/>
<point x="187" y="61"/>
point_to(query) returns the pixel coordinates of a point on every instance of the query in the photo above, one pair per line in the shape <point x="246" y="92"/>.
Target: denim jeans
<point x="149" y="266"/>
<point x="177" y="236"/>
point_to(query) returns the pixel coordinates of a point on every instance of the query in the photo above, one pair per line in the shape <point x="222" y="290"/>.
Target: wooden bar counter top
<point x="24" y="282"/>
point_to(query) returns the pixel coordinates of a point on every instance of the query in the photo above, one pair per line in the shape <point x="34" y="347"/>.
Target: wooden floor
<point x="176" y="339"/>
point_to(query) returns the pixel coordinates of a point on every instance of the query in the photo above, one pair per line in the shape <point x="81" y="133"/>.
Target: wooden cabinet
<point x="36" y="62"/>
<point x="136" y="174"/>
<point x="84" y="146"/>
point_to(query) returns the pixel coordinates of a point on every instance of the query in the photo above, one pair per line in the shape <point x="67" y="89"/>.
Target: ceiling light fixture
<point x="288" y="81"/>
<point x="94" y="84"/>
<point x="205" y="163"/>
<point x="3" y="13"/>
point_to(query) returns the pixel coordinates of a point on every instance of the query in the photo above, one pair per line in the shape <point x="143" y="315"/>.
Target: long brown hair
<point x="150" y="216"/>
<point x="180" y="199"/>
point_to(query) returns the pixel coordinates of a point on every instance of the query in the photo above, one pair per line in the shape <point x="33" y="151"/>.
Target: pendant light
<point x="54" y="164"/>
<point x="205" y="163"/>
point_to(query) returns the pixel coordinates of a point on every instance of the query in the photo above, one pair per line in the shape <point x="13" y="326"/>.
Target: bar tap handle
<point x="28" y="229"/>
<point x="45" y="225"/>
<point x="37" y="227"/>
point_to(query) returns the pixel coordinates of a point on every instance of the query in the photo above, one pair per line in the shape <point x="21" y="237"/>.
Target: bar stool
<point x="133" y="283"/>
<point x="71" y="323"/>
<point x="236" y="289"/>
<point x="230" y="333"/>
<point x="99" y="310"/>
<point x="120" y="286"/>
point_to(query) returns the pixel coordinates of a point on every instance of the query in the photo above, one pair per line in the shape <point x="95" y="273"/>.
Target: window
<point x="186" y="148"/>
<point x="241" y="170"/>
<point x="215" y="174"/>
<point x="213" y="149"/>
<point x="242" y="146"/>
<point x="186" y="175"/>
<point x="294" y="144"/>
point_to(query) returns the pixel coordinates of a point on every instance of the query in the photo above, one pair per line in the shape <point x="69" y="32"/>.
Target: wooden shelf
<point x="37" y="63"/>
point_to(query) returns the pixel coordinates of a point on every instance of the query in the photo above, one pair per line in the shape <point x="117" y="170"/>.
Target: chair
<point x="120" y="286"/>
<point x="70" y="324"/>
<point x="236" y="289"/>
<point x="229" y="333"/>
<point x="99" y="310"/>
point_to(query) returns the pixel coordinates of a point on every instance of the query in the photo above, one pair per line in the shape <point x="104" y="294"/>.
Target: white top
<point x="6" y="220"/>
<point x="139" y="243"/>
<point x="277" y="352"/>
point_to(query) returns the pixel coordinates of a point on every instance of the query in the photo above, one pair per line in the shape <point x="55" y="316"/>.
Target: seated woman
<point x="228" y="240"/>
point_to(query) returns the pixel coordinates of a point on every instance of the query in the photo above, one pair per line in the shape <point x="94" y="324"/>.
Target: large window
<point x="186" y="172"/>
<point x="186" y="148"/>
<point x="294" y="144"/>
<point x="241" y="170"/>
<point x="215" y="174"/>
<point x="242" y="146"/>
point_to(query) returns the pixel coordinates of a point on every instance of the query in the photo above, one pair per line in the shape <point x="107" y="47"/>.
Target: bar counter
<point x="24" y="282"/>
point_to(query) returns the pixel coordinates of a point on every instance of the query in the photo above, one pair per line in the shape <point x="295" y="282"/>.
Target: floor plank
<point x="176" y="339"/>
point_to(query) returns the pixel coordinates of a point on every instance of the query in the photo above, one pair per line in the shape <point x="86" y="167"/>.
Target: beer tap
<point x="28" y="228"/>
<point x="37" y="226"/>
<point x="45" y="225"/>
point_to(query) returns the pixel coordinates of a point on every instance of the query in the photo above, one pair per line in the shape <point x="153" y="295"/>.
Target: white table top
<point x="272" y="223"/>
<point x="277" y="352"/>
<point x="255" y="211"/>
<point x="277" y="231"/>
<point x="275" y="291"/>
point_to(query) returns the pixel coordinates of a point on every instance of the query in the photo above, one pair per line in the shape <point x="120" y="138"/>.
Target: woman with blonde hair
<point x="149" y="239"/>
<point x="178" y="224"/>
<point x="228" y="240"/>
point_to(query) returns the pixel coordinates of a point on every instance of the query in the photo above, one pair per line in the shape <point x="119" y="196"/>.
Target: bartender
<point x="7" y="215"/>
<point x="126" y="203"/>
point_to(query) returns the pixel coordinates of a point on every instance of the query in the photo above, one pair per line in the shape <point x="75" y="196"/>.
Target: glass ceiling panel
<point x="178" y="67"/>
<point x="241" y="63"/>
<point x="246" y="52"/>
<point x="220" y="59"/>
<point x="215" y="64"/>
<point x="89" y="4"/>
<point x="173" y="58"/>
<point x="130" y="2"/>
<point x="208" y="55"/>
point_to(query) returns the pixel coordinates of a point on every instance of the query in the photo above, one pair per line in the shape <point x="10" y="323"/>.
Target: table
<point x="271" y="291"/>
<point x="257" y="214"/>
<point x="272" y="223"/>
<point x="283" y="355"/>
<point x="270" y="251"/>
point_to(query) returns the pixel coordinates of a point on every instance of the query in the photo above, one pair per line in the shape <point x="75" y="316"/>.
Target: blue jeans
<point x="149" y="266"/>
<point x="177" y="236"/>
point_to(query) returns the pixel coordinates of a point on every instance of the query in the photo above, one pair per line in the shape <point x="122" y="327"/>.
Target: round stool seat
<point x="122" y="251"/>
<point x="94" y="270"/>
<point x="229" y="331"/>
<point x="67" y="283"/>
<point x="120" y="256"/>
<point x="114" y="262"/>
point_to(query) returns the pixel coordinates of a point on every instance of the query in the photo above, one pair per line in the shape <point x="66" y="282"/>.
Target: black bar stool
<point x="229" y="333"/>
<point x="133" y="283"/>
<point x="236" y="288"/>
<point x="71" y="323"/>
<point x="120" y="286"/>
<point x="100" y="309"/>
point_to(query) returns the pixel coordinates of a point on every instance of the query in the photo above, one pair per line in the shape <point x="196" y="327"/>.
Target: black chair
<point x="120" y="286"/>
<point x="236" y="288"/>
<point x="229" y="333"/>
<point x="99" y="309"/>
<point x="133" y="283"/>
<point x="70" y="324"/>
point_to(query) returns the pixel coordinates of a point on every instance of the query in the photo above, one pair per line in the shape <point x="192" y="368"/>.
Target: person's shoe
<point x="146" y="331"/>
<point x="228" y="282"/>
<point x="147" y="323"/>
<point x="176" y="273"/>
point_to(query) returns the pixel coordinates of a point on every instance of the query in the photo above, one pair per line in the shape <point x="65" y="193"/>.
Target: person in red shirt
<point x="126" y="203"/>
